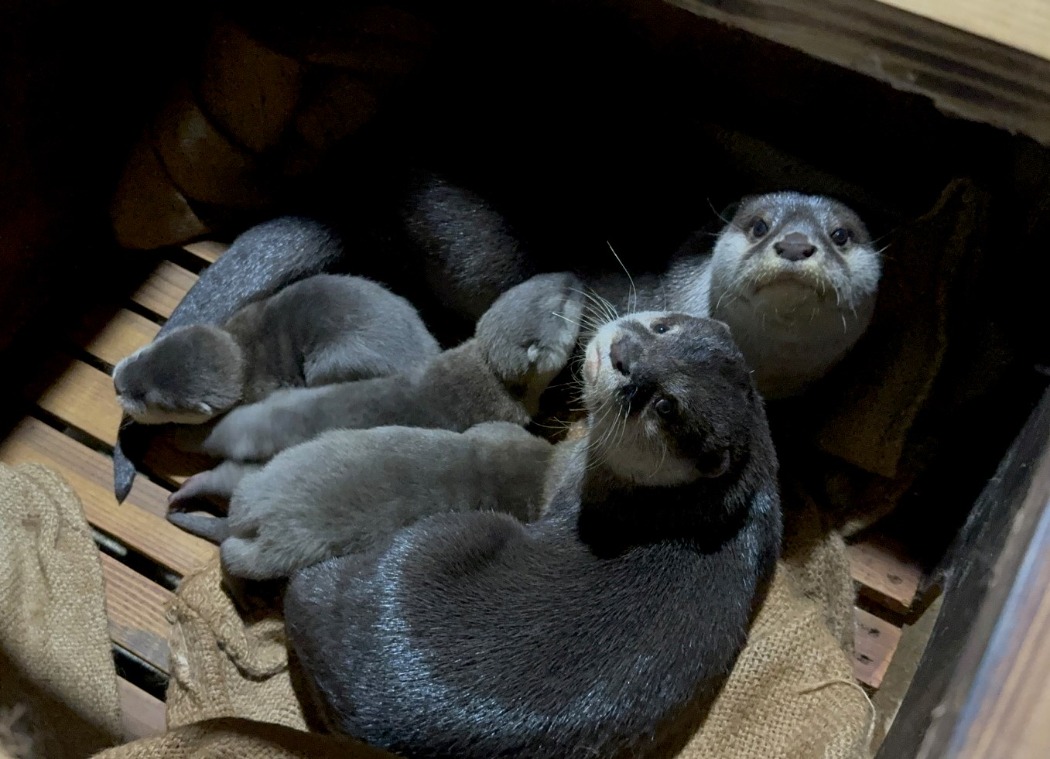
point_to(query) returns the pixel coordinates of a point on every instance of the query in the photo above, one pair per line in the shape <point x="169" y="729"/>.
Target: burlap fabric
<point x="791" y="693"/>
<point x="58" y="685"/>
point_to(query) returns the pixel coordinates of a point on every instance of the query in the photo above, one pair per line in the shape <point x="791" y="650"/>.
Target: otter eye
<point x="841" y="236"/>
<point x="759" y="228"/>
<point x="659" y="328"/>
<point x="663" y="407"/>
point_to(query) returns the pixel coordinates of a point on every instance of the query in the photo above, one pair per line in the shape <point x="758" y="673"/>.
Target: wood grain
<point x="985" y="587"/>
<point x="135" y="607"/>
<point x="874" y="642"/>
<point x="1021" y="24"/>
<point x="81" y="396"/>
<point x="206" y="250"/>
<point x="964" y="74"/>
<point x="123" y="334"/>
<point x="143" y="715"/>
<point x="164" y="288"/>
<point x="1005" y="713"/>
<point x="884" y="572"/>
<point x="138" y="523"/>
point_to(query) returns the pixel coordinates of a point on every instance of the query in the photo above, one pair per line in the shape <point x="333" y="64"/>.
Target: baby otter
<point x="520" y="344"/>
<point x="589" y="631"/>
<point x="347" y="489"/>
<point x="323" y="329"/>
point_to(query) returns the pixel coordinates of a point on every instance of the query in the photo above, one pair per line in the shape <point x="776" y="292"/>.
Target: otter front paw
<point x="253" y="433"/>
<point x="531" y="330"/>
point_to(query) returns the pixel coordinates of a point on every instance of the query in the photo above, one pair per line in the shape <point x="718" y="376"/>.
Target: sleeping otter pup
<point x="347" y="489"/>
<point x="519" y="345"/>
<point x="323" y="329"/>
<point x="591" y="630"/>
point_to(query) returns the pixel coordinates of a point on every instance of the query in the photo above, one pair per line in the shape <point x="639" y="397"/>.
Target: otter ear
<point x="715" y="464"/>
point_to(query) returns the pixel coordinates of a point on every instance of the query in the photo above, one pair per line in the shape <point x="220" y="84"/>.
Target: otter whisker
<point x="632" y="296"/>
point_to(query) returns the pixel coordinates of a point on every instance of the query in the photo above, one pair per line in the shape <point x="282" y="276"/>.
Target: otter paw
<point x="248" y="433"/>
<point x="215" y="485"/>
<point x="532" y="328"/>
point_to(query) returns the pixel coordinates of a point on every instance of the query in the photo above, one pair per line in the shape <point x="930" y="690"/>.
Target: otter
<point x="520" y="344"/>
<point x="320" y="330"/>
<point x="794" y="276"/>
<point x="342" y="491"/>
<point x="593" y="629"/>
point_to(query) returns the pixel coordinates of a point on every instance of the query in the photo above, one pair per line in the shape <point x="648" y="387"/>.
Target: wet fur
<point x="590" y="631"/>
<point x="324" y="329"/>
<point x="520" y="344"/>
<point x="347" y="490"/>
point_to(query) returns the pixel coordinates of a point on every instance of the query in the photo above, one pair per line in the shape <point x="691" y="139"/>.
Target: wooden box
<point x="625" y="115"/>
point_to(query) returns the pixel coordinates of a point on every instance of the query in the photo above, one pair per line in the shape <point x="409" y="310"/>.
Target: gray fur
<point x="323" y="329"/>
<point x="346" y="490"/>
<point x="591" y="630"/>
<point x="258" y="263"/>
<point x="519" y="345"/>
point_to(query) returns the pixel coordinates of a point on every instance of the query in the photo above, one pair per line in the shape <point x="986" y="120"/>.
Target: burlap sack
<point x="58" y="685"/>
<point x="223" y="664"/>
<point x="242" y="739"/>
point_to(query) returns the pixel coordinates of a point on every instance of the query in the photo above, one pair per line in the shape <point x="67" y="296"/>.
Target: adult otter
<point x="590" y="630"/>
<point x="323" y="329"/>
<point x="794" y="276"/>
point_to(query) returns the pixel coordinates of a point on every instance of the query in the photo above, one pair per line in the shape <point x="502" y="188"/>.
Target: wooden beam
<point x="1021" y="24"/>
<point x="143" y="715"/>
<point x="964" y="74"/>
<point x="164" y="288"/>
<point x="135" y="608"/>
<point x="950" y="686"/>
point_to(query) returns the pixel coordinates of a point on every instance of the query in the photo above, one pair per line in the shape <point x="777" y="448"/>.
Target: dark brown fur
<point x="589" y="631"/>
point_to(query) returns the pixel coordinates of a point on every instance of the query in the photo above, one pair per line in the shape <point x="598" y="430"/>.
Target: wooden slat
<point x="143" y="715"/>
<point x="206" y="250"/>
<point x="135" y="607"/>
<point x="885" y="573"/>
<point x="874" y="643"/>
<point x="164" y="288"/>
<point x="964" y="74"/>
<point x="138" y="523"/>
<point x="1021" y="24"/>
<point x="123" y="334"/>
<point x="83" y="397"/>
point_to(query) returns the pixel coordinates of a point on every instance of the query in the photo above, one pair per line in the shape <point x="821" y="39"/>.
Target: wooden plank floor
<point x="71" y="426"/>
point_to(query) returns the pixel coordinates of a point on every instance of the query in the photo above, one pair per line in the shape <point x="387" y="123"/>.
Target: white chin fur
<point x="156" y="416"/>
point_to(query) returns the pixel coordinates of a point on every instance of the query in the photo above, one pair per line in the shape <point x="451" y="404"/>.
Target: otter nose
<point x="795" y="247"/>
<point x="118" y="383"/>
<point x="621" y="355"/>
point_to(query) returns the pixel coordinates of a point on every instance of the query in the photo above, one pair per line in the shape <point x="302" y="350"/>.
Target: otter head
<point x="669" y="397"/>
<point x="186" y="377"/>
<point x="795" y="278"/>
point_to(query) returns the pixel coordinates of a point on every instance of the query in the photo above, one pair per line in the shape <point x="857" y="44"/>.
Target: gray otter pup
<point x="323" y="329"/>
<point x="593" y="629"/>
<point x="347" y="490"/>
<point x="520" y="344"/>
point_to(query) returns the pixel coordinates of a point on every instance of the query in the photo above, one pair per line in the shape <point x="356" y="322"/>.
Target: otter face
<point x="669" y="396"/>
<point x="795" y="257"/>
<point x="186" y="377"/>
